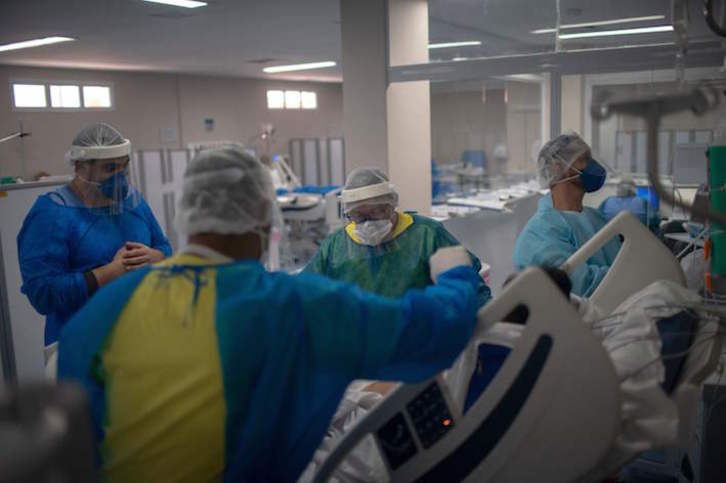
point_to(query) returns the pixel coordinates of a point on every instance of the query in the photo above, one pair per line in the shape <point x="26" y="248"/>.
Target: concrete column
<point x="573" y="94"/>
<point x="409" y="106"/>
<point x="387" y="126"/>
<point x="555" y="104"/>
<point x="363" y="33"/>
<point x="545" y="106"/>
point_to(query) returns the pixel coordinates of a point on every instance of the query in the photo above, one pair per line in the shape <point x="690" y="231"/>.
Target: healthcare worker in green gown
<point x="382" y="249"/>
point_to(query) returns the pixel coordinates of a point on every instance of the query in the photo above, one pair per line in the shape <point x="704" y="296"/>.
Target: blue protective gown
<point x="551" y="236"/>
<point x="61" y="239"/>
<point x="288" y="346"/>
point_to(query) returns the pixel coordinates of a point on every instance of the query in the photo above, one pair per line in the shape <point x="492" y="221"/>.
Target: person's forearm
<point x="437" y="324"/>
<point x="105" y="274"/>
<point x="157" y="255"/>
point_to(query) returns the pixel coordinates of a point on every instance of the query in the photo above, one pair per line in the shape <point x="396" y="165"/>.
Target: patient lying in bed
<point x="643" y="336"/>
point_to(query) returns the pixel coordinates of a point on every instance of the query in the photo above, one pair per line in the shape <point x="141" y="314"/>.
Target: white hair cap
<point x="226" y="191"/>
<point x="368" y="186"/>
<point x="98" y="141"/>
<point x="557" y="156"/>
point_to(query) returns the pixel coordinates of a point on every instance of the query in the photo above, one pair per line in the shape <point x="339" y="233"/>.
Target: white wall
<point x="239" y="108"/>
<point x="524" y="125"/>
<point x="146" y="104"/>
<point x="460" y="121"/>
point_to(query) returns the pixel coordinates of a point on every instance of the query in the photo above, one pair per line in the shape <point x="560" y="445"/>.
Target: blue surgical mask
<point x="116" y="182"/>
<point x="593" y="176"/>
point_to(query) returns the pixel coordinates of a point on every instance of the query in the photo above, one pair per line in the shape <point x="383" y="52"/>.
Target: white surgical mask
<point x="373" y="232"/>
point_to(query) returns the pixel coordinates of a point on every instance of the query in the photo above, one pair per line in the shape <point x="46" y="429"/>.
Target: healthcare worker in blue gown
<point x="206" y="367"/>
<point x="562" y="224"/>
<point x="87" y="233"/>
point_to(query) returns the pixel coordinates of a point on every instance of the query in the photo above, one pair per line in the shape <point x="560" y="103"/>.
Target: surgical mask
<point x="373" y="232"/>
<point x="116" y="182"/>
<point x="592" y="176"/>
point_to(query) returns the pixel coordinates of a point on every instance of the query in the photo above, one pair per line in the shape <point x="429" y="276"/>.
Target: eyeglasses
<point x="382" y="212"/>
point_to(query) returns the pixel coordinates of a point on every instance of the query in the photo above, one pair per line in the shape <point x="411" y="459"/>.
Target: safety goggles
<point x="381" y="212"/>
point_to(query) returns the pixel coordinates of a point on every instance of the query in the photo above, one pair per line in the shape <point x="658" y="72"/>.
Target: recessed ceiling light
<point x="291" y="68"/>
<point x="179" y="3"/>
<point x="599" y="23"/>
<point x="610" y="33"/>
<point x="26" y="44"/>
<point x="446" y="45"/>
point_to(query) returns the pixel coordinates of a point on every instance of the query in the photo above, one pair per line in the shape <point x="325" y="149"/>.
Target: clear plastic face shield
<point x="371" y="210"/>
<point x="276" y="251"/>
<point x="104" y="176"/>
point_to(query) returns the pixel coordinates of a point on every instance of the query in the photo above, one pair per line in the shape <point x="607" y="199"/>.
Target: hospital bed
<point x="507" y="434"/>
<point x="552" y="412"/>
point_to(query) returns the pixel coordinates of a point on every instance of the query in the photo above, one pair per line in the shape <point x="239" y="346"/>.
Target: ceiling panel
<point x="228" y="37"/>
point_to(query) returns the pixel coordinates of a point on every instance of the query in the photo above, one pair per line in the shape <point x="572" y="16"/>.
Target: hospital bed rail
<point x="558" y="380"/>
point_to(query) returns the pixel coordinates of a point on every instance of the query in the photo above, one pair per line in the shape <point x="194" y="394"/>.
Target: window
<point x="29" y="95"/>
<point x="309" y="100"/>
<point x="65" y="96"/>
<point x="292" y="99"/>
<point x="96" y="97"/>
<point x="275" y="99"/>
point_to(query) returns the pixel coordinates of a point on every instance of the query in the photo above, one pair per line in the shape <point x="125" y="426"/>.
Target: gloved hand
<point x="447" y="258"/>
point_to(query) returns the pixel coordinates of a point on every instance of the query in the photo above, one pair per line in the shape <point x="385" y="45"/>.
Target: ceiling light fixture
<point x="294" y="67"/>
<point x="179" y="3"/>
<point x="611" y="33"/>
<point x="446" y="45"/>
<point x="599" y="23"/>
<point x="26" y="44"/>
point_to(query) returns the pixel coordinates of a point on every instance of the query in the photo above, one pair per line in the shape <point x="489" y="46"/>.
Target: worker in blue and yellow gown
<point x="206" y="366"/>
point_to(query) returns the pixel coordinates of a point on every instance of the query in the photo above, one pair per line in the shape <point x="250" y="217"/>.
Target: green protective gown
<point x="394" y="266"/>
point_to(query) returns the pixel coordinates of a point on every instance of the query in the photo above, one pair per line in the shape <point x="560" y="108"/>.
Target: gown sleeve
<point x="49" y="281"/>
<point x="445" y="239"/>
<point x="547" y="244"/>
<point x="366" y="336"/>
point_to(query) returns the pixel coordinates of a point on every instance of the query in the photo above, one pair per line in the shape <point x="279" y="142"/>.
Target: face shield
<point x="101" y="157"/>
